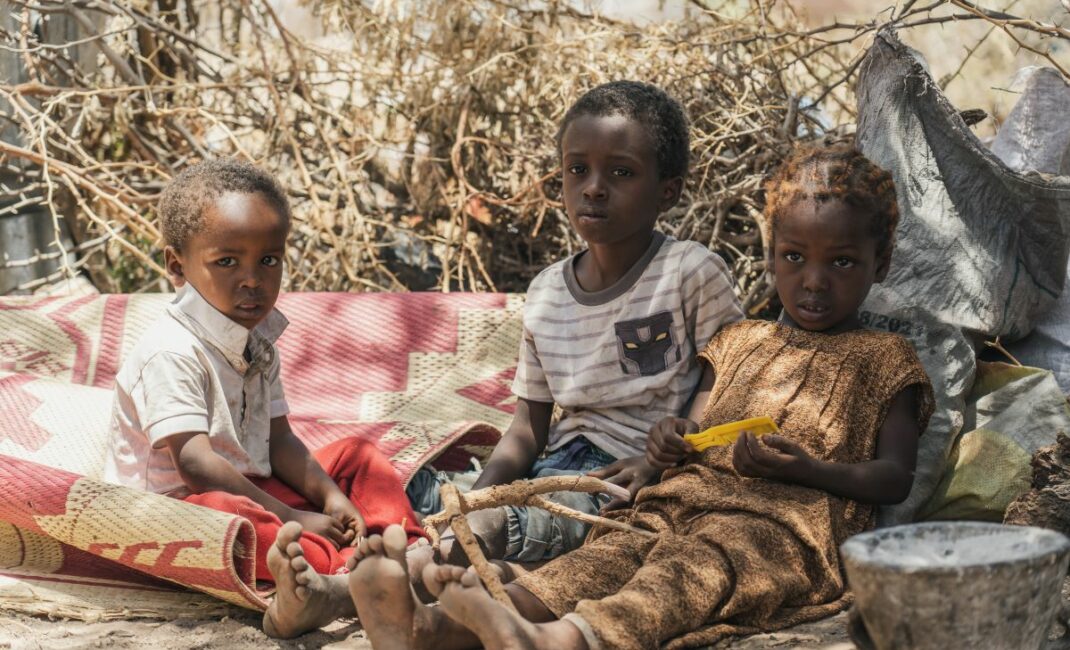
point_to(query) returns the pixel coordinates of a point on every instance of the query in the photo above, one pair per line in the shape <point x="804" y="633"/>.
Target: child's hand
<point x="324" y="526"/>
<point x="632" y="473"/>
<point x="339" y="507"/>
<point x="774" y="457"/>
<point x="665" y="445"/>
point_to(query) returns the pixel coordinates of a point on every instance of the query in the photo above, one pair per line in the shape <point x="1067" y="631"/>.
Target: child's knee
<point x="351" y="456"/>
<point x="490" y="527"/>
<point x="535" y="535"/>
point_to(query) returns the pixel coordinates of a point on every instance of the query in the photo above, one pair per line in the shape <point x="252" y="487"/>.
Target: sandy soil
<point x="242" y="632"/>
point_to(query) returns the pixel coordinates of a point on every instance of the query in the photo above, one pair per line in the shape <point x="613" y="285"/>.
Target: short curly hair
<point x="836" y="173"/>
<point x="192" y="191"/>
<point x="660" y="114"/>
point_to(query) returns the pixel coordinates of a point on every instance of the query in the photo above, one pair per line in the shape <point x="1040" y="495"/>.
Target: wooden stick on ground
<point x="520" y="493"/>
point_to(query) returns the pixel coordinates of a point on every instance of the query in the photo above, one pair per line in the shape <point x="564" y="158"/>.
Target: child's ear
<point x="172" y="261"/>
<point x="671" y="188"/>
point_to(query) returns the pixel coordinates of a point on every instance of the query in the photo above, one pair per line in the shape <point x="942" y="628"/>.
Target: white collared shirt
<point x="189" y="373"/>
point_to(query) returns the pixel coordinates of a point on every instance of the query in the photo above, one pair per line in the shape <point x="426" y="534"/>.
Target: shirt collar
<point x="230" y="338"/>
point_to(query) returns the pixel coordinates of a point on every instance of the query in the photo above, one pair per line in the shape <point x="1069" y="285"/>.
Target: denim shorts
<point x="534" y="534"/>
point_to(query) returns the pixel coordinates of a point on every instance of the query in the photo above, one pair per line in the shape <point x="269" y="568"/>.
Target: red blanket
<point x="426" y="375"/>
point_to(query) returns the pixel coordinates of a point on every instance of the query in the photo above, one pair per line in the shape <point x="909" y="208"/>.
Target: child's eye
<point x="269" y="260"/>
<point x="843" y="262"/>
<point x="576" y="169"/>
<point x="227" y="262"/>
<point x="621" y="171"/>
<point x="794" y="258"/>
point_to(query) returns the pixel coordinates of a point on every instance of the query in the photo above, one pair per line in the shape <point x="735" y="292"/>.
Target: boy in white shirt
<point x="199" y="411"/>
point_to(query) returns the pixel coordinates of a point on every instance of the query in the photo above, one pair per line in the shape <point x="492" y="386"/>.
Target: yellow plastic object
<point x="726" y="434"/>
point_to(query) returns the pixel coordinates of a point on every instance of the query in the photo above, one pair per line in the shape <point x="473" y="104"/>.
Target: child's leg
<point x="371" y="483"/>
<point x="682" y="581"/>
<point x="304" y="600"/>
<point x="464" y="599"/>
<point x="318" y="551"/>
<point x="535" y="535"/>
<point x="721" y="569"/>
<point x="595" y="570"/>
<point x="393" y="618"/>
<point x="543" y="599"/>
<point x="382" y="595"/>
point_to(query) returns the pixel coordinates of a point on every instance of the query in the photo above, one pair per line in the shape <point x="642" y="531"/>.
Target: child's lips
<point x="592" y="213"/>
<point x="592" y="217"/>
<point x="813" y="310"/>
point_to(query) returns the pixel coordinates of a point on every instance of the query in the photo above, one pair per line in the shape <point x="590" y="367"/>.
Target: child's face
<point x="824" y="260"/>
<point x="610" y="179"/>
<point x="235" y="260"/>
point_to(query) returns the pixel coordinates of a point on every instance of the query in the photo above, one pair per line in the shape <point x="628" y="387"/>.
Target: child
<point x="610" y="333"/>
<point x="199" y="411"/>
<point x="747" y="534"/>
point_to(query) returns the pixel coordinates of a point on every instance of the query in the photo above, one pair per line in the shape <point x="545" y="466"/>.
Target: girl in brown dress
<point x="748" y="534"/>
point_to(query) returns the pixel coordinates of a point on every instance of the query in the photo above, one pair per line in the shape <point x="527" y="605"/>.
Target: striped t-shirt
<point x="618" y="360"/>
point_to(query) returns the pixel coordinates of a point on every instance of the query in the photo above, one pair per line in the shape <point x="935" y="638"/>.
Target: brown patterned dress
<point x="741" y="555"/>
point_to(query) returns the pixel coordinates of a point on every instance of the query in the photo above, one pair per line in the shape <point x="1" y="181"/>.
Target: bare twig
<point x="418" y="147"/>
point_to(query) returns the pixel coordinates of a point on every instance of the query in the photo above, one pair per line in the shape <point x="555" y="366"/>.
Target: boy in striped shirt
<point x="610" y="334"/>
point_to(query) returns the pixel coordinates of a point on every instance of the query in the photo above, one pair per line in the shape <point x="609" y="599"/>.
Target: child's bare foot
<point x="417" y="556"/>
<point x="420" y="554"/>
<point x="304" y="600"/>
<point x="386" y="605"/>
<point x="463" y="598"/>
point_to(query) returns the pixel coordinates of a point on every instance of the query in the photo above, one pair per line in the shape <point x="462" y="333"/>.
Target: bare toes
<point x="395" y="541"/>
<point x="470" y="578"/>
<point x="293" y="549"/>
<point x="299" y="564"/>
<point x="288" y="534"/>
<point x="437" y="576"/>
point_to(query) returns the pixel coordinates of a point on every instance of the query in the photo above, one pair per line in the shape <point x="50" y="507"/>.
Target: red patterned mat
<point x="426" y="375"/>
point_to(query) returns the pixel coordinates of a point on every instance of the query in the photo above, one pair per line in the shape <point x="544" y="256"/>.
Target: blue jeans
<point x="534" y="535"/>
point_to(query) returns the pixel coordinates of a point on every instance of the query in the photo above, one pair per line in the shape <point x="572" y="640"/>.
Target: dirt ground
<point x="242" y="632"/>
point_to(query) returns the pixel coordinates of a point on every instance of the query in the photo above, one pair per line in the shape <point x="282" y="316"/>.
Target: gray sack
<point x="1036" y="137"/>
<point x="981" y="249"/>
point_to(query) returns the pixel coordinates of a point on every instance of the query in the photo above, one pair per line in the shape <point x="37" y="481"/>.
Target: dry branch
<point x="417" y="146"/>
<point x="525" y="493"/>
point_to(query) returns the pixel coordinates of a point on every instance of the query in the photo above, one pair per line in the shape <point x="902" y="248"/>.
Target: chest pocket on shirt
<point x="647" y="346"/>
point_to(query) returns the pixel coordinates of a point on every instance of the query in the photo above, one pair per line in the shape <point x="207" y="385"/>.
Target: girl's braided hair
<point x="836" y="173"/>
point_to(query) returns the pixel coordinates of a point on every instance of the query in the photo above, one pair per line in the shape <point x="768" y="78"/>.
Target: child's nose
<point x="815" y="280"/>
<point x="251" y="280"/>
<point x="594" y="189"/>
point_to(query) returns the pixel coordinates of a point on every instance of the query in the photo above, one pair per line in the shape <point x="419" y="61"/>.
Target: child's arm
<point x="665" y="446"/>
<point x="885" y="480"/>
<point x="293" y="465"/>
<point x="522" y="443"/>
<point x="203" y="470"/>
